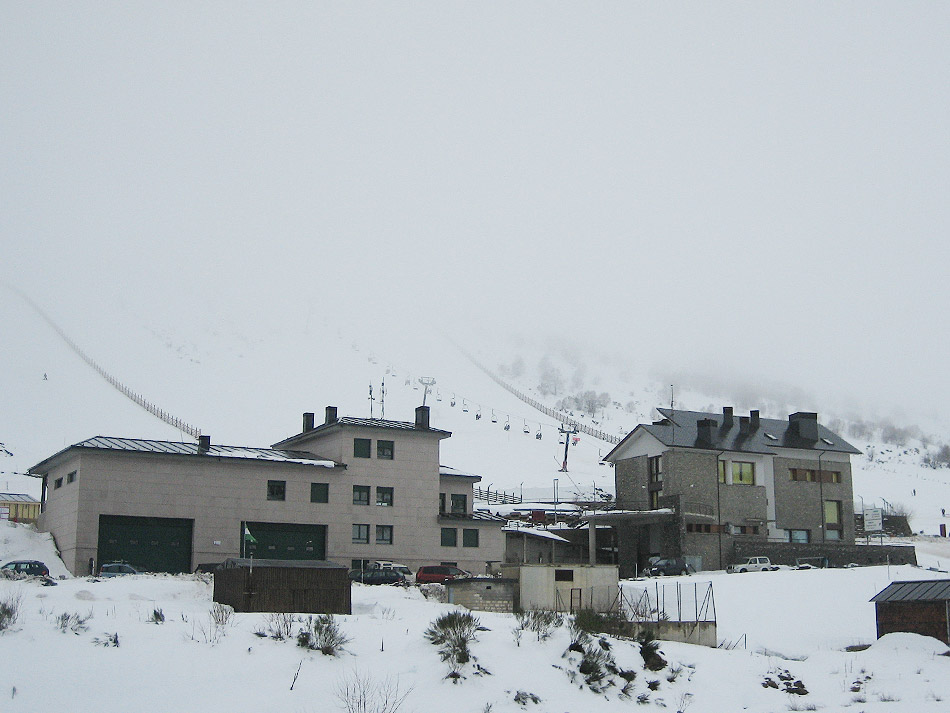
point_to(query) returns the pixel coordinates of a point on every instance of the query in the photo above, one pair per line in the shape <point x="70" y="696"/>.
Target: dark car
<point x="377" y="576"/>
<point x="207" y="568"/>
<point x="667" y="567"/>
<point x="31" y="568"/>
<point x="439" y="574"/>
<point x="117" y="569"/>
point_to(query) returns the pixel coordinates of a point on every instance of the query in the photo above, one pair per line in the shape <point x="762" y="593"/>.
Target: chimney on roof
<point x="804" y="424"/>
<point x="754" y="420"/>
<point x="307" y="421"/>
<point x="727" y="415"/>
<point x="705" y="430"/>
<point x="204" y="443"/>
<point x="331" y="414"/>
<point x="422" y="417"/>
<point x="744" y="424"/>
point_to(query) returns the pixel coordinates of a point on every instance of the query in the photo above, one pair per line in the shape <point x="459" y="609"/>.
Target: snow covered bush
<point x="539" y="621"/>
<point x="452" y="633"/>
<point x="322" y="633"/>
<point x="71" y="622"/>
<point x="10" y="610"/>
<point x="278" y="626"/>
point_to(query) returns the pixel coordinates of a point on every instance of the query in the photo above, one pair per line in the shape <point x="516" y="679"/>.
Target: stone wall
<point x="495" y="595"/>
<point x="838" y="554"/>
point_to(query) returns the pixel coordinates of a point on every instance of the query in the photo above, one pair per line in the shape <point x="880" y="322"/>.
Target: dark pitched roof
<point x="363" y="423"/>
<point x="925" y="590"/>
<point x="141" y="445"/>
<point x="680" y="429"/>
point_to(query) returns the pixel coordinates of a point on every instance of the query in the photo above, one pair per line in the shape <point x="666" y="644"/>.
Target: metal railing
<point x="496" y="496"/>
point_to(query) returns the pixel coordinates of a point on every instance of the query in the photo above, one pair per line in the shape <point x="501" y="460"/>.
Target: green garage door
<point x="155" y="544"/>
<point x="284" y="541"/>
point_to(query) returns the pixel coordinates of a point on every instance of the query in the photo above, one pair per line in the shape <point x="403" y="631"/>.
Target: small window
<point x="459" y="504"/>
<point x="441" y="503"/>
<point x="361" y="494"/>
<point x="385" y="450"/>
<point x="359" y="564"/>
<point x="655" y="500"/>
<point x="360" y="534"/>
<point x="384" y="534"/>
<point x="656" y="469"/>
<point x="831" y="476"/>
<point x="361" y="447"/>
<point x="802" y="536"/>
<point x="276" y="489"/>
<point x="449" y="537"/>
<point x="58" y="483"/>
<point x="743" y="473"/>
<point x="319" y="492"/>
<point x="71" y="478"/>
<point x="802" y="475"/>
<point x="384" y="497"/>
<point x="470" y="538"/>
<point x="564" y="575"/>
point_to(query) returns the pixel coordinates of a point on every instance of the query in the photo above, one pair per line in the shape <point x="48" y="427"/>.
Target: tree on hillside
<point x="551" y="377"/>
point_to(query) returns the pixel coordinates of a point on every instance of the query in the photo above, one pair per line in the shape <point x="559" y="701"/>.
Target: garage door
<point x="284" y="541"/>
<point x="155" y="544"/>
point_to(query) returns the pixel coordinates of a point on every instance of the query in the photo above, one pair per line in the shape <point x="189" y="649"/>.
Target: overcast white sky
<point x="760" y="188"/>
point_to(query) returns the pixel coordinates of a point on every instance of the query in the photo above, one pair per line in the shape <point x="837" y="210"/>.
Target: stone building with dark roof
<point x="716" y="487"/>
<point x="349" y="490"/>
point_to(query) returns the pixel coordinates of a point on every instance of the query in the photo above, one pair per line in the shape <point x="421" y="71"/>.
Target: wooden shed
<point x="920" y="607"/>
<point x="290" y="586"/>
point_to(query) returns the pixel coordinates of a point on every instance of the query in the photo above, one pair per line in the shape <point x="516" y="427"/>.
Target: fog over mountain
<point x="732" y="199"/>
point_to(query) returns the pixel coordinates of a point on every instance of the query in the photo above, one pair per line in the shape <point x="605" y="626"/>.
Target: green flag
<point x="248" y="537"/>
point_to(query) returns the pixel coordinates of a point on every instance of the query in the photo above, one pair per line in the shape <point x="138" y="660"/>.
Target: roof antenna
<point x="382" y="399"/>
<point x="671" y="397"/>
<point x="371" y="400"/>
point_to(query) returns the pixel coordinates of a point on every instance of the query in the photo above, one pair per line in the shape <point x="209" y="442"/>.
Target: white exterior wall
<point x="598" y="585"/>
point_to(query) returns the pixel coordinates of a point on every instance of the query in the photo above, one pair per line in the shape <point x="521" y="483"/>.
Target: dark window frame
<point x="381" y="530"/>
<point x="449" y="537"/>
<point x="655" y="466"/>
<point x="385" y="450"/>
<point x="316" y="496"/>
<point x="357" y="533"/>
<point x="277" y="490"/>
<point x="470" y="537"/>
<point x="383" y="491"/>
<point x="57" y="484"/>
<point x="362" y="448"/>
<point x="71" y="476"/>
<point x="459" y="498"/>
<point x="361" y="491"/>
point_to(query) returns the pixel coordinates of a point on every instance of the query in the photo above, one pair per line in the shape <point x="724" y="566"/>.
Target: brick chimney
<point x="727" y="415"/>
<point x="705" y="430"/>
<point x="804" y="424"/>
<point x="422" y="417"/>
<point x="307" y="421"/>
<point x="754" y="420"/>
<point x="204" y="443"/>
<point x="331" y="415"/>
<point x="744" y="422"/>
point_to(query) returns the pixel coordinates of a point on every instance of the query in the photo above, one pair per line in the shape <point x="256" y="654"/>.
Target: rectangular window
<point x="655" y="500"/>
<point x="802" y="475"/>
<point x="441" y="503"/>
<point x="359" y="564"/>
<point x="833" y="513"/>
<point x="831" y="476"/>
<point x="564" y="575"/>
<point x="449" y="537"/>
<point x="746" y="530"/>
<point x="469" y="538"/>
<point x="361" y="447"/>
<point x="743" y="473"/>
<point x="833" y="534"/>
<point x="801" y="536"/>
<point x="58" y="483"/>
<point x="722" y="471"/>
<point x="459" y="504"/>
<point x="361" y="494"/>
<point x="71" y="477"/>
<point x="656" y="469"/>
<point x="384" y="497"/>
<point x="276" y="489"/>
<point x="319" y="492"/>
<point x="385" y="450"/>
<point x="360" y="534"/>
<point x="384" y="534"/>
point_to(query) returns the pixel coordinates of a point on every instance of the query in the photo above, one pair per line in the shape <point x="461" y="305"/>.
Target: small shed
<point x="920" y="607"/>
<point x="566" y="587"/>
<point x="298" y="586"/>
<point x="495" y="594"/>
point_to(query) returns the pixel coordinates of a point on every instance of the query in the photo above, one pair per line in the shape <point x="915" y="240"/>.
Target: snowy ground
<point x="794" y="622"/>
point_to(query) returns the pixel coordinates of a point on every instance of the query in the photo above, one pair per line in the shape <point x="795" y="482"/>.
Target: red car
<point x="439" y="574"/>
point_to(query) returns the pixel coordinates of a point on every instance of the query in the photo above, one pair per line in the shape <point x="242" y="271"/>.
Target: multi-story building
<point x="699" y="485"/>
<point x="348" y="490"/>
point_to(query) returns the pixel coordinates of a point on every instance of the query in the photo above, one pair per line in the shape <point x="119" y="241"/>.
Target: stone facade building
<point x="349" y="490"/>
<point x="695" y="484"/>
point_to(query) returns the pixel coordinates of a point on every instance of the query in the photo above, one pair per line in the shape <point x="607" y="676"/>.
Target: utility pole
<point x="567" y="433"/>
<point x="426" y="381"/>
<point x="382" y="398"/>
<point x="371" y="400"/>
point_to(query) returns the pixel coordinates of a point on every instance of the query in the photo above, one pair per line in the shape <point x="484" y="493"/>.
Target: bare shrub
<point x="540" y="621"/>
<point x="452" y="633"/>
<point x="279" y="626"/>
<point x="75" y="623"/>
<point x="221" y="614"/>
<point x="158" y="617"/>
<point x="362" y="693"/>
<point x="10" y="610"/>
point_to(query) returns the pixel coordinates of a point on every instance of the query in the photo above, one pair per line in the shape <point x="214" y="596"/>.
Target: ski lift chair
<point x="507" y="425"/>
<point x="494" y="418"/>
<point x="538" y="434"/>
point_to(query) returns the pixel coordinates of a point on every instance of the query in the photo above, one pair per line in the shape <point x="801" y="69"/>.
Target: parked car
<point x="386" y="564"/>
<point x="207" y="567"/>
<point x="30" y="568"/>
<point x="117" y="569"/>
<point x="667" y="567"/>
<point x="378" y="576"/>
<point x="439" y="574"/>
<point x="753" y="564"/>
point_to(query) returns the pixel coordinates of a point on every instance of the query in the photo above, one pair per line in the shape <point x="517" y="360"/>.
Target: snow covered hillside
<point x="150" y="641"/>
<point x="249" y="383"/>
